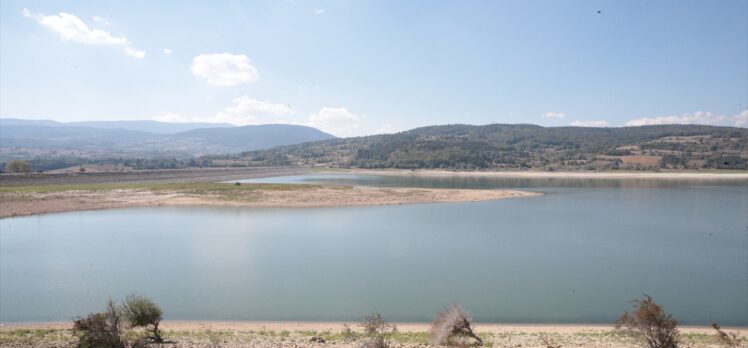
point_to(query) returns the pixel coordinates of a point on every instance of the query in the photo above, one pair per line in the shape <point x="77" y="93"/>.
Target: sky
<point x="364" y="67"/>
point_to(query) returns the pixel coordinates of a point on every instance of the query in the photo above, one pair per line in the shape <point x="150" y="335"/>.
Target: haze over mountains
<point x="136" y="125"/>
<point x="44" y="138"/>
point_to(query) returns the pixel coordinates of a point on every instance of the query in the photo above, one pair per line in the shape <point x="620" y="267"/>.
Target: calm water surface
<point x="578" y="253"/>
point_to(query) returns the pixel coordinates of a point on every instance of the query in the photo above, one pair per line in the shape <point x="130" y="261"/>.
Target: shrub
<point x="376" y="330"/>
<point x="142" y="312"/>
<point x="731" y="339"/>
<point x="100" y="330"/>
<point x="17" y="166"/>
<point x="650" y="323"/>
<point x="451" y="325"/>
<point x="347" y="333"/>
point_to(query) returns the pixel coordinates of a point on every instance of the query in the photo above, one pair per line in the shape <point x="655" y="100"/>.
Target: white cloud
<point x="244" y="111"/>
<point x="699" y="117"/>
<point x="171" y="118"/>
<point x="224" y="69"/>
<point x="590" y="123"/>
<point x="72" y="28"/>
<point x="337" y="121"/>
<point x="741" y="119"/>
<point x="101" y="20"/>
<point x="247" y="110"/>
<point x="167" y="51"/>
<point x="554" y="115"/>
<point x="134" y="53"/>
<point x="319" y="11"/>
<point x="385" y="129"/>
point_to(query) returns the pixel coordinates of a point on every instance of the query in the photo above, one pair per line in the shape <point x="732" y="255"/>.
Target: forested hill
<point x="500" y="146"/>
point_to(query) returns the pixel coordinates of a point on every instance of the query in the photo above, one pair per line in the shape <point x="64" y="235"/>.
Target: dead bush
<point x="549" y="343"/>
<point x="650" y="323"/>
<point x="730" y="339"/>
<point x="376" y="330"/>
<point x="100" y="330"/>
<point x="452" y="326"/>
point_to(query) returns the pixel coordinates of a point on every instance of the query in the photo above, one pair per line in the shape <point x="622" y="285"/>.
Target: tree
<point x="100" y="330"/>
<point x="650" y="323"/>
<point x="450" y="324"/>
<point x="142" y="312"/>
<point x="17" y="166"/>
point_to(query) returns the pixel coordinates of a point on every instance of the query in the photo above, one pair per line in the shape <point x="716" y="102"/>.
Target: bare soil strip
<point x="161" y="175"/>
<point x="37" y="200"/>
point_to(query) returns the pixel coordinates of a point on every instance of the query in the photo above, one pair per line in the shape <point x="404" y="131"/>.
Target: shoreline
<point x="235" y="334"/>
<point x="20" y="203"/>
<point x="334" y="326"/>
<point x="546" y="175"/>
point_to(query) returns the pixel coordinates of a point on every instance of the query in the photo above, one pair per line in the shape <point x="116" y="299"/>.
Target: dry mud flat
<point x="300" y="334"/>
<point x="40" y="199"/>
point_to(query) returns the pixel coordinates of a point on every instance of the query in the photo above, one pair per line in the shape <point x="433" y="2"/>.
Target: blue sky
<point x="362" y="67"/>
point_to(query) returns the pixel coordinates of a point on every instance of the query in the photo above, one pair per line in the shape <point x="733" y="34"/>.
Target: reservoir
<point x="577" y="254"/>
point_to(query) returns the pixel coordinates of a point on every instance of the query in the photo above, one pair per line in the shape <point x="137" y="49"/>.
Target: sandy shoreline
<point x="741" y="175"/>
<point x="21" y="203"/>
<point x="191" y="325"/>
<point x="230" y="334"/>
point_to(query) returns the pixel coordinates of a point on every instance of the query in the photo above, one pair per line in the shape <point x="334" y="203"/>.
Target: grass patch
<point x="35" y="336"/>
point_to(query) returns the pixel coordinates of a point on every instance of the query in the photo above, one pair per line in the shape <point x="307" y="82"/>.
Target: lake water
<point x="578" y="253"/>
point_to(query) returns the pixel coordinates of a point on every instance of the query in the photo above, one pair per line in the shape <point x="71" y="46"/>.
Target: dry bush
<point x="100" y="330"/>
<point x="452" y="324"/>
<point x="730" y="339"/>
<point x="650" y="323"/>
<point x="376" y="330"/>
<point x="374" y="342"/>
<point x="348" y="334"/>
<point x="549" y="343"/>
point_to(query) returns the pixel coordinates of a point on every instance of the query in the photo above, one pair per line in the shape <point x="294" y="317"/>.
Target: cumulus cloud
<point x="247" y="111"/>
<point x="224" y="69"/>
<point x="244" y="111"/>
<point x="337" y="121"/>
<point x="72" y="28"/>
<point x="385" y="129"/>
<point x="319" y="11"/>
<point x="741" y="119"/>
<point x="172" y="118"/>
<point x="590" y="123"/>
<point x="699" y="117"/>
<point x="101" y="20"/>
<point x="167" y="51"/>
<point x="554" y="115"/>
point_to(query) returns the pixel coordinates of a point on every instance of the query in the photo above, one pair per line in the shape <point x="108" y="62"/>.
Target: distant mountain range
<point x="150" y="144"/>
<point x="147" y="139"/>
<point x="138" y="125"/>
<point x="522" y="146"/>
